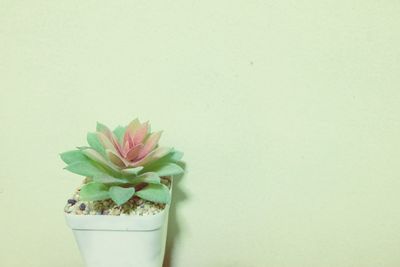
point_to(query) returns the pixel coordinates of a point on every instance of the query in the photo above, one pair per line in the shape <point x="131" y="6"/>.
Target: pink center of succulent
<point x="136" y="144"/>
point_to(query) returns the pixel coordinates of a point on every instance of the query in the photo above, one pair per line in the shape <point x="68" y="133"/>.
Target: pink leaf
<point x="134" y="152"/>
<point x="150" y="144"/>
<point x="152" y="156"/>
<point x="133" y="127"/>
<point x="116" y="159"/>
<point x="128" y="141"/>
<point x="141" y="133"/>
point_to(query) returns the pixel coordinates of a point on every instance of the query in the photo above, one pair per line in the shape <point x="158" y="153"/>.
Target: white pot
<point x="121" y="241"/>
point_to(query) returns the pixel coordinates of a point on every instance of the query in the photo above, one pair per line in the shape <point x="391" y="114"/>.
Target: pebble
<point x="115" y="212"/>
<point x="134" y="206"/>
<point x="71" y="201"/>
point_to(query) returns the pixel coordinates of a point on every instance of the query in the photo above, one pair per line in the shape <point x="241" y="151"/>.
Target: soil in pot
<point x="135" y="206"/>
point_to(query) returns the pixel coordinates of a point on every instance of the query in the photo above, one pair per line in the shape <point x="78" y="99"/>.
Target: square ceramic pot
<point x="121" y="241"/>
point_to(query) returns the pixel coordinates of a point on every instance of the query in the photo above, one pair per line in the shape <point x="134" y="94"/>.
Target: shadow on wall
<point x="178" y="196"/>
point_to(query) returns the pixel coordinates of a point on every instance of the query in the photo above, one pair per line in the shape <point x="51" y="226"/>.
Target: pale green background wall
<point x="288" y="112"/>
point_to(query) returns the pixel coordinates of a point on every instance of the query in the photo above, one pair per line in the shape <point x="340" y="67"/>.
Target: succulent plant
<point x="124" y="163"/>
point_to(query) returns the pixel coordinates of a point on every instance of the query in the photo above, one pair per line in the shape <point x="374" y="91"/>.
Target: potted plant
<point x="119" y="214"/>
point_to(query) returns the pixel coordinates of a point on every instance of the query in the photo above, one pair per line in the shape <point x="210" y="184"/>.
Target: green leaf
<point x="94" y="191"/>
<point x="72" y="156"/>
<point x="167" y="169"/>
<point x="158" y="193"/>
<point x="102" y="128"/>
<point x="171" y="157"/>
<point x="106" y="179"/>
<point x="85" y="168"/>
<point x="119" y="133"/>
<point x="132" y="171"/>
<point x="153" y="156"/>
<point x="99" y="159"/>
<point x="149" y="177"/>
<point x="120" y="195"/>
<point x="175" y="155"/>
<point x="94" y="142"/>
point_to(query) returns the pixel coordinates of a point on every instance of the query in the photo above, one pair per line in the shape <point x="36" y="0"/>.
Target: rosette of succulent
<point x="124" y="163"/>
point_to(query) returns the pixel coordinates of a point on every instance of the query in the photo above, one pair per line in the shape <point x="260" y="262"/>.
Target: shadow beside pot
<point x="173" y="225"/>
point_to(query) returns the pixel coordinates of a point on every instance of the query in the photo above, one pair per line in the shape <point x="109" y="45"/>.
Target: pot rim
<point x="122" y="222"/>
